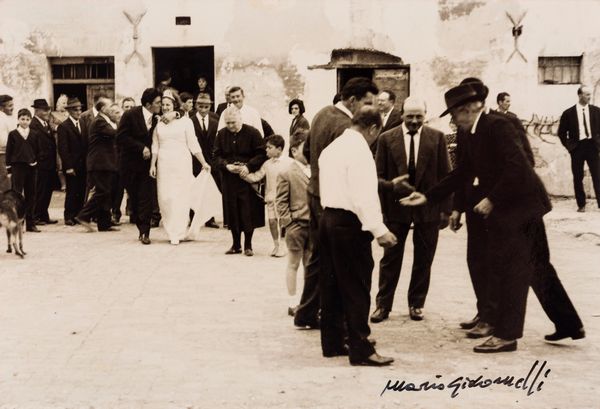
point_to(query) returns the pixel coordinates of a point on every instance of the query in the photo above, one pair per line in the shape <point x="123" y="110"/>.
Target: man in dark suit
<point x="134" y="136"/>
<point x="390" y="115"/>
<point x="514" y="201"/>
<point x="503" y="101"/>
<point x="72" y="148"/>
<point x="101" y="165"/>
<point x="223" y="105"/>
<point x="89" y="115"/>
<point x="46" y="169"/>
<point x="205" y="126"/>
<point x="420" y="152"/>
<point x="579" y="132"/>
<point x="329" y="123"/>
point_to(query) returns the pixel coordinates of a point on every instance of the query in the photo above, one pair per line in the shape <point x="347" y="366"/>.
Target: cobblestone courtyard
<point x="100" y="321"/>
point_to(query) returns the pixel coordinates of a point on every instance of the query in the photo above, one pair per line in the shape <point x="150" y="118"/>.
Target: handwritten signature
<point x="465" y="382"/>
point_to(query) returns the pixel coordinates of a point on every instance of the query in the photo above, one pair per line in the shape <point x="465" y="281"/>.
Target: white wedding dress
<point x="178" y="191"/>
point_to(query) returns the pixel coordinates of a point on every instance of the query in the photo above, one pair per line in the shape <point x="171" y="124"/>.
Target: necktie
<point x="150" y="122"/>
<point x="203" y="125"/>
<point x="77" y="126"/>
<point x="585" y="125"/>
<point x="412" y="169"/>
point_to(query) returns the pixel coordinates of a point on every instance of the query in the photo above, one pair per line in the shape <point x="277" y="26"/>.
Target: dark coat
<point x="206" y="139"/>
<point x="493" y="159"/>
<point x="132" y="137"/>
<point x="393" y="121"/>
<point x="299" y="122"/>
<point x="46" y="145"/>
<point x="102" y="151"/>
<point x="329" y="123"/>
<point x="568" y="128"/>
<point x="220" y="108"/>
<point x="433" y="164"/>
<point x="19" y="149"/>
<point x="85" y="122"/>
<point x="72" y="145"/>
<point x="248" y="147"/>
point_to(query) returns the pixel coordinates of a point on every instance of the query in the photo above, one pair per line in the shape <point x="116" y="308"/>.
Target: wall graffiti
<point x="543" y="127"/>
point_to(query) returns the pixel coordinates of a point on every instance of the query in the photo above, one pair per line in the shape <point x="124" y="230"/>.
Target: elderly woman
<point x="56" y="118"/>
<point x="171" y="165"/>
<point x="296" y="109"/>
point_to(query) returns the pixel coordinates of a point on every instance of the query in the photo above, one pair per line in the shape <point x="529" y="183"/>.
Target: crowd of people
<point x="361" y="170"/>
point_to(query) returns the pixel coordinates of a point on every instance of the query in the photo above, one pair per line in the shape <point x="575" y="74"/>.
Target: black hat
<point x="73" y="103"/>
<point x="478" y="85"/>
<point x="460" y="95"/>
<point x="40" y="104"/>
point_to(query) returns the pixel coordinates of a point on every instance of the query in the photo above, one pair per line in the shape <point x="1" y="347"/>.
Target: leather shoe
<point x="70" y="222"/>
<point x="374" y="360"/>
<point x="33" y="229"/>
<point x="495" y="344"/>
<point x="248" y="252"/>
<point x="481" y="330"/>
<point x="344" y="351"/>
<point x="50" y="221"/>
<point x="306" y="325"/>
<point x="291" y="311"/>
<point x="84" y="223"/>
<point x="416" y="314"/>
<point x="379" y="315"/>
<point x="581" y="209"/>
<point x="39" y="222"/>
<point x="212" y="224"/>
<point x="233" y="250"/>
<point x="558" y="335"/>
<point x="145" y="239"/>
<point x="470" y="324"/>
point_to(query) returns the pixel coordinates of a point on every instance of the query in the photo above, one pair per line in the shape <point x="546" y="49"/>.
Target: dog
<point x="12" y="217"/>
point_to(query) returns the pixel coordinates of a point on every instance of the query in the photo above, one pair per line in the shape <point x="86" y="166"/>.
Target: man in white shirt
<point x="7" y="124"/>
<point x="250" y="116"/>
<point x="579" y="132"/>
<point x="351" y="218"/>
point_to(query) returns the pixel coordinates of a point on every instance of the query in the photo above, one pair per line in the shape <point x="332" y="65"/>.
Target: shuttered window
<point x="559" y="70"/>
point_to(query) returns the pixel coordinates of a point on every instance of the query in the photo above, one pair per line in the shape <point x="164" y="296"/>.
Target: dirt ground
<point x="96" y="320"/>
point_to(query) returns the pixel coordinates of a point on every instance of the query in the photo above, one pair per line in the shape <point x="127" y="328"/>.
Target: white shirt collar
<point x="75" y="121"/>
<point x="580" y="107"/>
<point x="343" y="108"/>
<point x="405" y="129"/>
<point x="95" y="112"/>
<point x="474" y="127"/>
<point x="200" y="117"/>
<point x="24" y="132"/>
<point x="41" y="120"/>
<point x="111" y="123"/>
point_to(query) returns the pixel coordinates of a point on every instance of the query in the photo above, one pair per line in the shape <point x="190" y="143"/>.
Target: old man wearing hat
<point x="513" y="201"/>
<point x="46" y="174"/>
<point x="72" y="148"/>
<point x="205" y="125"/>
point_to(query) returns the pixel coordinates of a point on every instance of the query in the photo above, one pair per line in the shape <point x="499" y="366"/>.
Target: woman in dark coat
<point x="296" y="108"/>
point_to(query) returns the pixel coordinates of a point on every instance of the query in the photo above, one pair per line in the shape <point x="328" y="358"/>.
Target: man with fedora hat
<point x="513" y="201"/>
<point x="46" y="173"/>
<point x="205" y="125"/>
<point x="72" y="148"/>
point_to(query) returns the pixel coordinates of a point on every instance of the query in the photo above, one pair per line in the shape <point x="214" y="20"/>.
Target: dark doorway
<point x="346" y="74"/>
<point x="185" y="64"/>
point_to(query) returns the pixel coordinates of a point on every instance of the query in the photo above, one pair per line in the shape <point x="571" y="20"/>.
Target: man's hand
<point x="233" y="168"/>
<point x="153" y="171"/>
<point x="387" y="240"/>
<point x="454" y="221"/>
<point x="244" y="171"/>
<point x="206" y="167"/>
<point x="443" y="220"/>
<point x="70" y="172"/>
<point x="168" y="117"/>
<point x="414" y="199"/>
<point x="401" y="184"/>
<point x="146" y="153"/>
<point x="484" y="207"/>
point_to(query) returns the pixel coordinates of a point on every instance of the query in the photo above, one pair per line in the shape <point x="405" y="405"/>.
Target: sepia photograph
<point x="299" y="204"/>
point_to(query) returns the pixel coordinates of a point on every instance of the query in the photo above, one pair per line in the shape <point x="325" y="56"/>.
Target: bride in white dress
<point x="171" y="165"/>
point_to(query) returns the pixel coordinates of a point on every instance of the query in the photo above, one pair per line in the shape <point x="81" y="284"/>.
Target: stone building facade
<point x="538" y="51"/>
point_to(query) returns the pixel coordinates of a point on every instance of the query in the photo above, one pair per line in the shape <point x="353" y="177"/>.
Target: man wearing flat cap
<point x="46" y="172"/>
<point x="513" y="201"/>
<point x="72" y="148"/>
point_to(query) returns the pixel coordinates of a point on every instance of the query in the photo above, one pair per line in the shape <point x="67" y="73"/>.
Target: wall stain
<point x="447" y="73"/>
<point x="451" y="9"/>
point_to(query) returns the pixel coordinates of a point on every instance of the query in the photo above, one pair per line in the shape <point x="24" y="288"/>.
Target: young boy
<point x="21" y="157"/>
<point x="292" y="207"/>
<point x="271" y="169"/>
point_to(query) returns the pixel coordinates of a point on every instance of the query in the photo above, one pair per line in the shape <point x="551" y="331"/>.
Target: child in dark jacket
<point x="21" y="158"/>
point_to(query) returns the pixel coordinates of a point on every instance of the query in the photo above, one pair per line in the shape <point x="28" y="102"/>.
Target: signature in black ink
<point x="465" y="382"/>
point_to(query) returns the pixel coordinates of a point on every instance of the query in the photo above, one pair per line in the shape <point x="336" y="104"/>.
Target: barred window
<point x="559" y="70"/>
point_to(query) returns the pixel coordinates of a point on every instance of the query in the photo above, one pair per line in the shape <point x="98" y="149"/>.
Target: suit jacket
<point x="291" y="199"/>
<point x="433" y="164"/>
<point x="132" y="137"/>
<point x="206" y="139"/>
<point x="220" y="108"/>
<point x="20" y="150"/>
<point x="493" y="160"/>
<point x="329" y="123"/>
<point x="299" y="123"/>
<point x="102" y="151"/>
<point x="46" y="145"/>
<point x="72" y="145"/>
<point x="568" y="128"/>
<point x="85" y="122"/>
<point x="393" y="121"/>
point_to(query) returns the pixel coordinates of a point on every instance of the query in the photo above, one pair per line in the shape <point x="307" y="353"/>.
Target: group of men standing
<point x="494" y="184"/>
